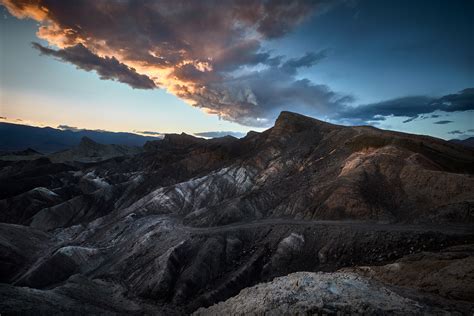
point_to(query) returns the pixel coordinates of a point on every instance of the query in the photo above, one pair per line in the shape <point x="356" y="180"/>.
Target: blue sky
<point x="350" y="55"/>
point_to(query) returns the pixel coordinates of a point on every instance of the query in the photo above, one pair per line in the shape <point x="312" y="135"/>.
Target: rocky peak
<point x="181" y="140"/>
<point x="87" y="143"/>
<point x="29" y="151"/>
<point x="289" y="122"/>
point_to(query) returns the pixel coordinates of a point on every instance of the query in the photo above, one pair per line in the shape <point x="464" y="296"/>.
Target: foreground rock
<point x="306" y="293"/>
<point x="448" y="273"/>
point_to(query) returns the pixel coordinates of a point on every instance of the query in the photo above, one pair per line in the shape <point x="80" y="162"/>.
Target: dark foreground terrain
<point x="306" y="217"/>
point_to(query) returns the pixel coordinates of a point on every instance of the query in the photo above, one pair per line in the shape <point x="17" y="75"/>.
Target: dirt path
<point x="360" y="225"/>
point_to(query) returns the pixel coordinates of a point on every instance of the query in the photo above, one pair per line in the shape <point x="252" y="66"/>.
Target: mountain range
<point x="16" y="137"/>
<point x="252" y="225"/>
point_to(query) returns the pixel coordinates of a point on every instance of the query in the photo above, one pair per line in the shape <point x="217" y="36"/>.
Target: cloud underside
<point x="414" y="107"/>
<point x="106" y="67"/>
<point x="208" y="53"/>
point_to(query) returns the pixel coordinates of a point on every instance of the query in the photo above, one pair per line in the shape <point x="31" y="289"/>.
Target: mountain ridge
<point x="16" y="137"/>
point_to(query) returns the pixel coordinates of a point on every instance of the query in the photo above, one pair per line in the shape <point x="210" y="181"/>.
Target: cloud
<point x="70" y="128"/>
<point x="220" y="134"/>
<point x="466" y="133"/>
<point x="209" y="53"/>
<point x="108" y="68"/>
<point x="410" y="119"/>
<point x="256" y="97"/>
<point x="150" y="133"/>
<point x="443" y="122"/>
<point x="308" y="60"/>
<point x="412" y="107"/>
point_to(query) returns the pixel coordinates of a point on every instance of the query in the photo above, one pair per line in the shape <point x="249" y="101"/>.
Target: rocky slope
<point x="189" y="222"/>
<point x="421" y="283"/>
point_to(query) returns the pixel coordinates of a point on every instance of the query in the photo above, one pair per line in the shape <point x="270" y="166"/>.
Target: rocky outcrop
<point x="318" y="293"/>
<point x="21" y="208"/>
<point x="447" y="273"/>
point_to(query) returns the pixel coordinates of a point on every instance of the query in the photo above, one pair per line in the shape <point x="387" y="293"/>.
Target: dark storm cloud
<point x="308" y="60"/>
<point x="207" y="52"/>
<point x="412" y="107"/>
<point x="254" y="97"/>
<point x="220" y="134"/>
<point x="458" y="132"/>
<point x="462" y="101"/>
<point x="107" y="67"/>
<point x="279" y="19"/>
<point x="407" y="106"/>
<point x="443" y="122"/>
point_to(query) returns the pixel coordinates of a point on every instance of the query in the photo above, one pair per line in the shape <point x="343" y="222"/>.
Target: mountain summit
<point x="295" y="121"/>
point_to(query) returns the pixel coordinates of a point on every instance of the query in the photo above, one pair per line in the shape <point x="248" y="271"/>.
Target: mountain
<point x="190" y="222"/>
<point x="469" y="142"/>
<point x="91" y="151"/>
<point x="27" y="154"/>
<point x="15" y="137"/>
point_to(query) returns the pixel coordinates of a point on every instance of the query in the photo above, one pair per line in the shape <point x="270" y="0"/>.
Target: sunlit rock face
<point x="185" y="223"/>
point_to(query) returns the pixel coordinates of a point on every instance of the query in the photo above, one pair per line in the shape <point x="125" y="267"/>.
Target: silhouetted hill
<point x="15" y="137"/>
<point x="466" y="142"/>
<point x="91" y="151"/>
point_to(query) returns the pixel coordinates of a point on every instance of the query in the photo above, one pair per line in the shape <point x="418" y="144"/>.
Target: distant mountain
<point x="466" y="142"/>
<point x="15" y="137"/>
<point x="91" y="151"/>
<point x="27" y="154"/>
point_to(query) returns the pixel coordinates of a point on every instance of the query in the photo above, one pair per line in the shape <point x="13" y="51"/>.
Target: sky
<point x="210" y="67"/>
